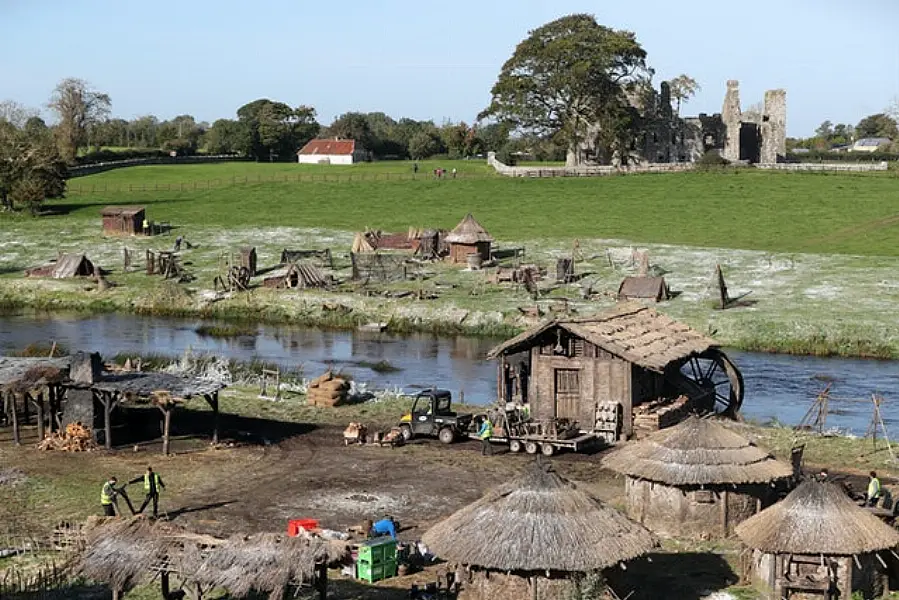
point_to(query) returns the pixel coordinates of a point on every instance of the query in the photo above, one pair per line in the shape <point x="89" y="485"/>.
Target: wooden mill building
<point x="584" y="369"/>
<point x="817" y="543"/>
<point x="696" y="479"/>
<point x="532" y="536"/>
<point x="468" y="237"/>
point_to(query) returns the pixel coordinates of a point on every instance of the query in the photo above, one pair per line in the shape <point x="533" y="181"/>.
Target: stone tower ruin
<point x="756" y="141"/>
<point x="774" y="127"/>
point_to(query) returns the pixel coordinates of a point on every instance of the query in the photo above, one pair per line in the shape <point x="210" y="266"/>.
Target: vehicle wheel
<point x="547" y="449"/>
<point x="515" y="446"/>
<point x="530" y="447"/>
<point x="446" y="435"/>
<point x="406" y="432"/>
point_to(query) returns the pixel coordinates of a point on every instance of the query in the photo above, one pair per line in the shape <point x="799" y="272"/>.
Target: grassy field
<point x="819" y="253"/>
<point x="787" y="212"/>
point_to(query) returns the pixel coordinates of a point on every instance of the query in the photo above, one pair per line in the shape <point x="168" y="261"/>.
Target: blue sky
<point x="837" y="59"/>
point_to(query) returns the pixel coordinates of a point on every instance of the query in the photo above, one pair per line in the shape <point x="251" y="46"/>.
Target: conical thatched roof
<point x="817" y="518"/>
<point x="468" y="231"/>
<point x="696" y="452"/>
<point x="538" y="522"/>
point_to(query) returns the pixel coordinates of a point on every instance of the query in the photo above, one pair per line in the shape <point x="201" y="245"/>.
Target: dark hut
<point x="295" y="276"/>
<point x="819" y="543"/>
<point x="534" y="537"/>
<point x="646" y="288"/>
<point x="123" y="220"/>
<point x="469" y="237"/>
<point x="65" y="267"/>
<point x="615" y="363"/>
<point x="126" y="552"/>
<point x="696" y="479"/>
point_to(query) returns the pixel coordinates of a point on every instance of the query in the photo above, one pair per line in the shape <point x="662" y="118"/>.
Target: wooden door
<point x="567" y="394"/>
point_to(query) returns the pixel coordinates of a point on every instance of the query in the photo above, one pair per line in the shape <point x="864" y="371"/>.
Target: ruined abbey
<point x="664" y="137"/>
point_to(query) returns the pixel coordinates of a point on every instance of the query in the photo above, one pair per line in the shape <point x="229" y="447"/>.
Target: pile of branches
<point x="75" y="438"/>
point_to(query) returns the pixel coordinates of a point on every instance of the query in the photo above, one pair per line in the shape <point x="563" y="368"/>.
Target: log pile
<point x="75" y="438"/>
<point x="328" y="390"/>
<point x="658" y="414"/>
<point x="354" y="434"/>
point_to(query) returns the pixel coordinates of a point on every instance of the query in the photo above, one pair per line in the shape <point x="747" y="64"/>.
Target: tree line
<point x="829" y="136"/>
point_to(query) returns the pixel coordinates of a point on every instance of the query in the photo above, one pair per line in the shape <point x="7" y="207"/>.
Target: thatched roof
<point x="631" y="331"/>
<point x="125" y="552"/>
<point x="28" y="373"/>
<point x="817" y="518"/>
<point x="696" y="452"/>
<point x="66" y="266"/>
<point x="142" y="384"/>
<point x="652" y="288"/>
<point x="536" y="522"/>
<point x="468" y="231"/>
<point x="361" y="244"/>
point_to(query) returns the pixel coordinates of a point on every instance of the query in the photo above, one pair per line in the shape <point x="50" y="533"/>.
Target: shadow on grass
<point x="65" y="208"/>
<point x="681" y="576"/>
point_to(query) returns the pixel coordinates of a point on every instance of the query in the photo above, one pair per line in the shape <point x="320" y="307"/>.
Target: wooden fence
<point x="208" y="184"/>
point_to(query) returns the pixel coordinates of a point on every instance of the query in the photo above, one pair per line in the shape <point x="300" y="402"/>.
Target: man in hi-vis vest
<point x="152" y="484"/>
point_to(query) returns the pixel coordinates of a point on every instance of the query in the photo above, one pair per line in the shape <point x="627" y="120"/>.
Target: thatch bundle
<point x="538" y="522"/>
<point x="267" y="562"/>
<point x="327" y="390"/>
<point x="817" y="518"/>
<point x="697" y="452"/>
<point x="125" y="552"/>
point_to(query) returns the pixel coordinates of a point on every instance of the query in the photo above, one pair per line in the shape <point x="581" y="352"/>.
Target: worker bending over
<point x="152" y="484"/>
<point x="386" y="526"/>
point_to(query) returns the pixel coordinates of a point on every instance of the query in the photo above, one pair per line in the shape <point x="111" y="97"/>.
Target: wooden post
<point x="215" y="417"/>
<point x="845" y="586"/>
<point x="166" y="409"/>
<point x="164" y="583"/>
<point x="26" y="413"/>
<point x="321" y="581"/>
<point x="14" y="415"/>
<point x="39" y="405"/>
<point x="116" y="595"/>
<point x="108" y="405"/>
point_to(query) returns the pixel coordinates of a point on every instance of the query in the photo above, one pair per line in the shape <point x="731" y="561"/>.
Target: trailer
<point x="519" y="432"/>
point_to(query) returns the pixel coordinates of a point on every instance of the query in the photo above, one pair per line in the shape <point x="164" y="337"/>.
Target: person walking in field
<point x="152" y="484"/>
<point x="874" y="491"/>
<point x="485" y="433"/>
<point x="108" y="495"/>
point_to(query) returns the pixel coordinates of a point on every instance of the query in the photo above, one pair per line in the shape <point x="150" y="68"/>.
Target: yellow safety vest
<point x="147" y="482"/>
<point x="488" y="430"/>
<point x="874" y="488"/>
<point x="106" y="494"/>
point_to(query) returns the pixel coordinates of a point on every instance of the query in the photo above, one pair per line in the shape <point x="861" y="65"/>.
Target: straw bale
<point x="696" y="452"/>
<point x="817" y="518"/>
<point x="537" y="522"/>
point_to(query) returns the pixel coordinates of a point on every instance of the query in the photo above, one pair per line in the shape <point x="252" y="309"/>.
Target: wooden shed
<point x="646" y="288"/>
<point x="535" y="537"/>
<point x="469" y="237"/>
<point x="123" y="220"/>
<point x="296" y="276"/>
<point x="817" y="543"/>
<point x="697" y="479"/>
<point x="614" y="362"/>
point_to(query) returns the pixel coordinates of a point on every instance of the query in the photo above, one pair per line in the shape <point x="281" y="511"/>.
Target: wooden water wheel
<point x="715" y="374"/>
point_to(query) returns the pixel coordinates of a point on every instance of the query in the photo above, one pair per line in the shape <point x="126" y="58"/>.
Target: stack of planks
<point x="328" y="390"/>
<point x="657" y="414"/>
<point x="75" y="438"/>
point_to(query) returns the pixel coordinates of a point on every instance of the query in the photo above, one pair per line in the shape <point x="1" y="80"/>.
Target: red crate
<point x="295" y="525"/>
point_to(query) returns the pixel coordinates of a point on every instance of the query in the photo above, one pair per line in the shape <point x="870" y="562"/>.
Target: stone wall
<point x="731" y="114"/>
<point x="774" y="127"/>
<point x="583" y="171"/>
<point x="833" y="167"/>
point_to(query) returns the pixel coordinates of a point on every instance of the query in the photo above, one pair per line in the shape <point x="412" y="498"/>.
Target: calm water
<point x="777" y="386"/>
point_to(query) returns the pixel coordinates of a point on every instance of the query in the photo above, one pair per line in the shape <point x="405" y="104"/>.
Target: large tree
<point x="78" y="108"/>
<point x="565" y="77"/>
<point x="15" y="113"/>
<point x="683" y="87"/>
<point x="879" y="125"/>
<point x="275" y="130"/>
<point x="31" y="169"/>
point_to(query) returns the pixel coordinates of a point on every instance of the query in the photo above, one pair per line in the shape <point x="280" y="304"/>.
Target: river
<point x="778" y="387"/>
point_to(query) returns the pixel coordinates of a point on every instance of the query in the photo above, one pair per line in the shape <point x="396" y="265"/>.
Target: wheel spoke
<point x="693" y="362"/>
<point x="713" y="366"/>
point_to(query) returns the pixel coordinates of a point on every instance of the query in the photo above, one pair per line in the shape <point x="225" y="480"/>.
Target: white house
<point x="332" y="152"/>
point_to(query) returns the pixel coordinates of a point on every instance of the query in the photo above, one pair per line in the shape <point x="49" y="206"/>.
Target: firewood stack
<point x="354" y="434"/>
<point x="328" y="390"/>
<point x="75" y="438"/>
<point x="658" y="414"/>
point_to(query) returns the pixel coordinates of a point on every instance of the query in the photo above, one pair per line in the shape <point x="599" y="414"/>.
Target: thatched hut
<point x="817" y="543"/>
<point x="126" y="552"/>
<point x="696" y="479"/>
<point x="65" y="267"/>
<point x="469" y="237"/>
<point x="646" y="288"/>
<point x="535" y="537"/>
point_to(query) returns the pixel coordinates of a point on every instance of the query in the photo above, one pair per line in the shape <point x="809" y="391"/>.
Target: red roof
<point x="332" y="147"/>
